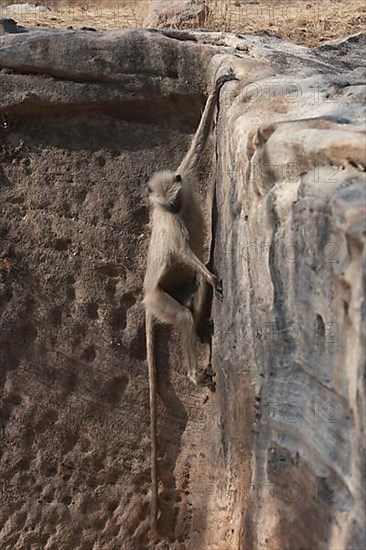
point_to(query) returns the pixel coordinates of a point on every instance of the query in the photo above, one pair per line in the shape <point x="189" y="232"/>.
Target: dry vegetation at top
<point x="301" y="21"/>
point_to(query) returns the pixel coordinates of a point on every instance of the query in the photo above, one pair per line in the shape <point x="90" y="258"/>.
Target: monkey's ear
<point x="178" y="178"/>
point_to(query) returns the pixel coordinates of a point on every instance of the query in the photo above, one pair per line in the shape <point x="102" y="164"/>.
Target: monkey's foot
<point x="218" y="290"/>
<point x="205" y="331"/>
<point x="206" y="378"/>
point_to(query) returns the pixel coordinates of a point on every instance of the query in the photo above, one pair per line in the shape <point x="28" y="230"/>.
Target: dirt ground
<point x="304" y="22"/>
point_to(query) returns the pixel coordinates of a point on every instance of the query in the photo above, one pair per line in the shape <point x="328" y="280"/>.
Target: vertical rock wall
<point x="290" y="244"/>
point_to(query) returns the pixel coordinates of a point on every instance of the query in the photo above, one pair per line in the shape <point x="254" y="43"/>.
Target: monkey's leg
<point x="201" y="310"/>
<point x="190" y="259"/>
<point x="200" y="307"/>
<point x="168" y="310"/>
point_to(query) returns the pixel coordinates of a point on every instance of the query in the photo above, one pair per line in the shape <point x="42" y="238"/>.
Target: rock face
<point x="290" y="242"/>
<point x="273" y="459"/>
<point x="26" y="7"/>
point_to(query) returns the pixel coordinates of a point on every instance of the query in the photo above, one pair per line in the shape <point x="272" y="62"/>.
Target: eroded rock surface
<point x="273" y="459"/>
<point x="291" y="242"/>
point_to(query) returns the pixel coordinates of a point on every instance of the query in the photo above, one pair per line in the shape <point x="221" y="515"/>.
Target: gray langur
<point x="175" y="271"/>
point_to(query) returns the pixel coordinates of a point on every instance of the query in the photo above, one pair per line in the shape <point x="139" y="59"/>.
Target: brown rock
<point x="181" y="14"/>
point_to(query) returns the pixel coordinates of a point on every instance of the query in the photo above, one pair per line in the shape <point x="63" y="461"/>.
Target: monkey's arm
<point x="190" y="161"/>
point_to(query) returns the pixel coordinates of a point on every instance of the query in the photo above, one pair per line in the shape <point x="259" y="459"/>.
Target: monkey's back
<point x="169" y="235"/>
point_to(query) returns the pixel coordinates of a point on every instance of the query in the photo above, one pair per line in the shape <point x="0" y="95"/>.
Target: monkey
<point x="173" y="263"/>
<point x="176" y="280"/>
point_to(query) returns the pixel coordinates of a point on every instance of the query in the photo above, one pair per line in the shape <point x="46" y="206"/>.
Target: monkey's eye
<point x="176" y="206"/>
<point x="178" y="178"/>
<point x="149" y="189"/>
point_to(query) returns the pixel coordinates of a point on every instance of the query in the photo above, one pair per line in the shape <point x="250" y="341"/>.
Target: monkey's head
<point x="166" y="191"/>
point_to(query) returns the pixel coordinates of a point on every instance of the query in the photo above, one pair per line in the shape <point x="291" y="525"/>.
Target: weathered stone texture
<point x="274" y="458"/>
<point x="176" y="14"/>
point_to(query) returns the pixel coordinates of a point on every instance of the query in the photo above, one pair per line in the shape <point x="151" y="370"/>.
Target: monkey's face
<point x="166" y="192"/>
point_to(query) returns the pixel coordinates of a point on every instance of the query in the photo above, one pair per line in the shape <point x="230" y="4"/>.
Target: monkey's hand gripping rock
<point x="227" y="77"/>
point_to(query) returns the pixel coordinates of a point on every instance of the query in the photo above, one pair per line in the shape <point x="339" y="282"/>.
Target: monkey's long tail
<point x="153" y="424"/>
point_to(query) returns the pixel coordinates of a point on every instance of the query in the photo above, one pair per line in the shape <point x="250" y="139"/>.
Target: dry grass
<point x="102" y="15"/>
<point x="301" y="21"/>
